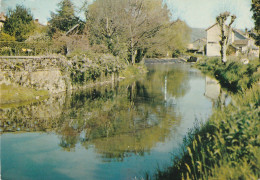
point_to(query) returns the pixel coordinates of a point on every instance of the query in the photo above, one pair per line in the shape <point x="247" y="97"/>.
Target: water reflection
<point x="116" y="131"/>
<point x="218" y="96"/>
<point x="129" y="118"/>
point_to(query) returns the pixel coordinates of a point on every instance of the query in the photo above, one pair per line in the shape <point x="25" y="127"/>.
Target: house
<point x="2" y="20"/>
<point x="241" y="42"/>
<point x="198" y="46"/>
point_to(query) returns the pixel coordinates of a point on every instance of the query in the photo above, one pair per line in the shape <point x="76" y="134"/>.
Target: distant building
<point x="198" y="46"/>
<point x="2" y="20"/>
<point x="239" y="41"/>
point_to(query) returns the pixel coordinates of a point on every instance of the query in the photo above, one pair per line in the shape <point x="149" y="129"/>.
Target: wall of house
<point x="213" y="38"/>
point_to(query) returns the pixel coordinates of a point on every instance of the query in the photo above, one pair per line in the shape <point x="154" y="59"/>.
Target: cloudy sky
<point x="196" y="13"/>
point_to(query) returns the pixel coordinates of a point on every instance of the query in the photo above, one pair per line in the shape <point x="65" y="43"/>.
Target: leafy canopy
<point x="130" y="28"/>
<point x="19" y="23"/>
<point x="64" y="19"/>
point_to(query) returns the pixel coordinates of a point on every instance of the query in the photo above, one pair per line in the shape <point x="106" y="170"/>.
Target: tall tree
<point x="19" y="22"/>
<point x="127" y="26"/>
<point x="64" y="19"/>
<point x="173" y="38"/>
<point x="225" y="33"/>
<point x="143" y="20"/>
<point x="104" y="19"/>
<point x="255" y="7"/>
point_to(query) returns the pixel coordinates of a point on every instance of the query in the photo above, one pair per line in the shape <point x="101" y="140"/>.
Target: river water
<point x="117" y="131"/>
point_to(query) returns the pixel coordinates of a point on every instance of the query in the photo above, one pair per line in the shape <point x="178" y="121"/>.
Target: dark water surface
<point x="119" y="131"/>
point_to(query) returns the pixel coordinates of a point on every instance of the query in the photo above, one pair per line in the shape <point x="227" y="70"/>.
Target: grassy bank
<point x="12" y="95"/>
<point x="227" y="146"/>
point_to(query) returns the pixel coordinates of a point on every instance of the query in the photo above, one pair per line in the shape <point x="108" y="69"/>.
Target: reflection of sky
<point x="37" y="156"/>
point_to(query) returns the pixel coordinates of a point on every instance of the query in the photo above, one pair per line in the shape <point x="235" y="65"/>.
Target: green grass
<point x="133" y="71"/>
<point x="12" y="95"/>
<point x="228" y="145"/>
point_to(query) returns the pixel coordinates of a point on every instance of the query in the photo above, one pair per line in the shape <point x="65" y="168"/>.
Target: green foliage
<point x="235" y="75"/>
<point x="11" y="48"/>
<point x="170" y="41"/>
<point x="89" y="66"/>
<point x="255" y="7"/>
<point x="19" y="23"/>
<point x="6" y="37"/>
<point x="64" y="19"/>
<point x="133" y="29"/>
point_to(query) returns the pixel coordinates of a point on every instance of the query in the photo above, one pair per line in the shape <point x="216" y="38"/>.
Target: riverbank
<point x="25" y="79"/>
<point x="12" y="95"/>
<point x="227" y="146"/>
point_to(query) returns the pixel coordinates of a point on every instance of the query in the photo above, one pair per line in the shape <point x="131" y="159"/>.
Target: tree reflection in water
<point x="129" y="118"/>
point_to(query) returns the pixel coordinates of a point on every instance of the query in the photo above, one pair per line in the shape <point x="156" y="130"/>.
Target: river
<point x="117" y="131"/>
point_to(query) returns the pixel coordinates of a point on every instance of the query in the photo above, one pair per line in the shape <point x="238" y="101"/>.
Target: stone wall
<point x="35" y="72"/>
<point x="43" y="73"/>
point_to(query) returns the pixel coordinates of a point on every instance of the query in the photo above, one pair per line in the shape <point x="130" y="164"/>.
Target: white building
<point x="239" y="40"/>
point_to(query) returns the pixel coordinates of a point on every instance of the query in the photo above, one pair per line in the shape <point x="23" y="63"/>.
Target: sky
<point x="196" y="13"/>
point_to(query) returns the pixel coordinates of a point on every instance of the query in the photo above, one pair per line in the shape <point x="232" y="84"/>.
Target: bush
<point x="89" y="66"/>
<point x="235" y="76"/>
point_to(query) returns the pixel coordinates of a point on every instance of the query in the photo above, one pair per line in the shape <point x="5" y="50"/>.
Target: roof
<point x="241" y="42"/>
<point x="200" y="39"/>
<point x="211" y="26"/>
<point x="240" y="32"/>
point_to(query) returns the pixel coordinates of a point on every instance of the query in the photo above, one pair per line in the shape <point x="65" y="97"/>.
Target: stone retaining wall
<point x="41" y="72"/>
<point x="35" y="72"/>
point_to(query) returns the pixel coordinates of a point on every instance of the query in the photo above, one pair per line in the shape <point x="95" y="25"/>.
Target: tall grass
<point x="227" y="146"/>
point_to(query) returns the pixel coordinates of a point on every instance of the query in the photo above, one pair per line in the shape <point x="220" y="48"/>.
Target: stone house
<point x="240" y="41"/>
<point x="198" y="46"/>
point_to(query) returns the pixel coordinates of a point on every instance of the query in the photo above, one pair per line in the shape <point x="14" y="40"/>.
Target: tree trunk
<point x="132" y="52"/>
<point x="224" y="53"/>
<point x="223" y="44"/>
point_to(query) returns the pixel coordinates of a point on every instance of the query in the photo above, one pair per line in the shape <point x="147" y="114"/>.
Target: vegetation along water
<point x="226" y="146"/>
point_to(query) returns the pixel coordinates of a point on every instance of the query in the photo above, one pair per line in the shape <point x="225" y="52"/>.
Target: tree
<point x="66" y="29"/>
<point x="104" y="19"/>
<point x="255" y="7"/>
<point x="64" y="19"/>
<point x="19" y="22"/>
<point x="143" y="20"/>
<point x="225" y="33"/>
<point x="128" y="27"/>
<point x="171" y="39"/>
